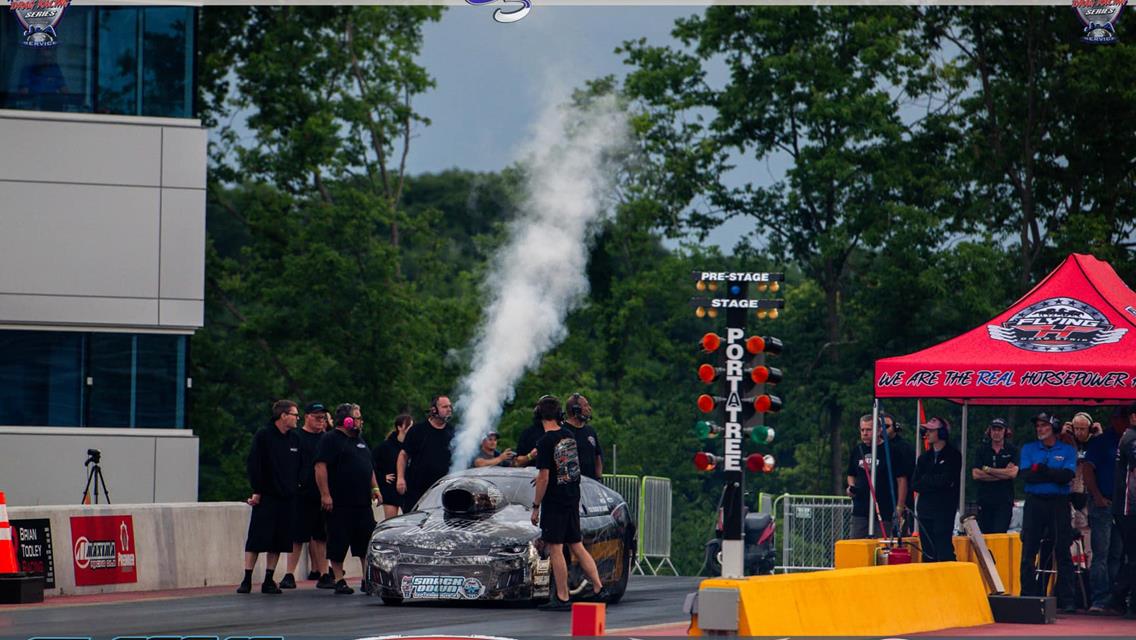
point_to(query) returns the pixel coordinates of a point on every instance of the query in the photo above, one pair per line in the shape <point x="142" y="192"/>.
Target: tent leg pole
<point x="962" y="472"/>
<point x="875" y="451"/>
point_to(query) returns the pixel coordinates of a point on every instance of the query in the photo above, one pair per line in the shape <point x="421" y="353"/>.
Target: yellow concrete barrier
<point x="859" y="602"/>
<point x="1005" y="548"/>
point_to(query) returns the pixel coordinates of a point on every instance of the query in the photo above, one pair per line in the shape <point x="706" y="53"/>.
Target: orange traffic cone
<point x="7" y="548"/>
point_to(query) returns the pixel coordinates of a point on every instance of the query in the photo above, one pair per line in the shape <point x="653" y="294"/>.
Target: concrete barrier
<point x="1005" y="548"/>
<point x="858" y="602"/>
<point x="176" y="545"/>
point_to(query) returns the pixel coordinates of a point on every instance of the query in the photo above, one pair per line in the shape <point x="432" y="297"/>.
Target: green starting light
<point x="704" y="429"/>
<point x="761" y="435"/>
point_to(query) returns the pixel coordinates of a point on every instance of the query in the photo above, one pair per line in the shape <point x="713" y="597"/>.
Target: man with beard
<point x="587" y="440"/>
<point x="309" y="526"/>
<point x="347" y="485"/>
<point x="426" y="453"/>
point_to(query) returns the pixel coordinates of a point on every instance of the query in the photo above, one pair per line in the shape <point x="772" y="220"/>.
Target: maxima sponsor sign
<point x="103" y="550"/>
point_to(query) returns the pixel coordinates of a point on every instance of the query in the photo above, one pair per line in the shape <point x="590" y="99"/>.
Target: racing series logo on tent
<point x="1056" y="325"/>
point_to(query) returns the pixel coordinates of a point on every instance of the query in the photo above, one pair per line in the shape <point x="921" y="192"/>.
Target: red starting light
<point x="707" y="373"/>
<point x="762" y="374"/>
<point x="767" y="404"/>
<point x="705" y="461"/>
<point x="763" y="344"/>
<point x="706" y="403"/>
<point x="755" y="462"/>
<point x="710" y="342"/>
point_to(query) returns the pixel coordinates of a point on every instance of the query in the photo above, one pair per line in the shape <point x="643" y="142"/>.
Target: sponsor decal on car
<point x="442" y="587"/>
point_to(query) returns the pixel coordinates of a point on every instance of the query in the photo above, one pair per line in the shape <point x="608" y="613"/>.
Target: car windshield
<point x="516" y="489"/>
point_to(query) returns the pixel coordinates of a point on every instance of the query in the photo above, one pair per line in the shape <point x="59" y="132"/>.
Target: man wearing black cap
<point x="1047" y="466"/>
<point x="309" y="526"/>
<point x="937" y="481"/>
<point x="994" y="470"/>
<point x="490" y="456"/>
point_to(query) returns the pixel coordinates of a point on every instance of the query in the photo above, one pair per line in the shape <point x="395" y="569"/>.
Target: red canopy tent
<point x="1070" y="340"/>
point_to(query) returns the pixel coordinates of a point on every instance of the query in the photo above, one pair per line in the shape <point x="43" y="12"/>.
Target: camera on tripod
<point x="94" y="477"/>
<point x="93" y="455"/>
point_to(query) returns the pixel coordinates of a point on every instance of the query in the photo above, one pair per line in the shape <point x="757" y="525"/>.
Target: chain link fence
<point x="809" y="529"/>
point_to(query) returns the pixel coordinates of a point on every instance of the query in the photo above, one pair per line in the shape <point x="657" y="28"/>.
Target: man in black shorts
<point x="274" y="473"/>
<point x="347" y="484"/>
<point x="309" y="526"/>
<point x="557" y="503"/>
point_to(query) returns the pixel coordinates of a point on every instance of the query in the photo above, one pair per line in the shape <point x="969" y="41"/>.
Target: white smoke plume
<point x="538" y="276"/>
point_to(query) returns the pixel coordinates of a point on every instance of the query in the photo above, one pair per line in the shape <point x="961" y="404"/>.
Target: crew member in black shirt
<point x="426" y="453"/>
<point x="274" y="473"/>
<point x="309" y="526"/>
<point x="556" y="503"/>
<point x="347" y="486"/>
<point x="903" y="458"/>
<point x="861" y="486"/>
<point x="937" y="481"/>
<point x="385" y="459"/>
<point x="526" y="443"/>
<point x="994" y="470"/>
<point x="587" y="440"/>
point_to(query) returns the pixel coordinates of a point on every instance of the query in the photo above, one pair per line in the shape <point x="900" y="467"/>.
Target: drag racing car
<point x="470" y="538"/>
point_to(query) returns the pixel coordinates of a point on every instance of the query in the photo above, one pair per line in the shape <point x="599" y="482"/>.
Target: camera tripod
<point x="94" y="479"/>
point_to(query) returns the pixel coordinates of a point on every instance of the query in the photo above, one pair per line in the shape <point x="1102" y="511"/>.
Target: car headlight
<point x="384" y="555"/>
<point x="511" y="550"/>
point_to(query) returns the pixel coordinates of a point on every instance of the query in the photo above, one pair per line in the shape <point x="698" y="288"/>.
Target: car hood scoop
<point x="472" y="497"/>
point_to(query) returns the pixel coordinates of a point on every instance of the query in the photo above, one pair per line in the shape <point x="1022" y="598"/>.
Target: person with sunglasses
<point x="274" y="473"/>
<point x="309" y="526"/>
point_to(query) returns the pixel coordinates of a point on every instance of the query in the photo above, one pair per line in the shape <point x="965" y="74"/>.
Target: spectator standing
<point x="858" y="472"/>
<point x="347" y="486"/>
<point x="1124" y="512"/>
<point x="309" y="526"/>
<point x="1047" y="467"/>
<point x="936" y="479"/>
<point x="385" y="459"/>
<point x="274" y="472"/>
<point x="994" y="469"/>
<point x="426" y="454"/>
<point x="490" y="456"/>
<point x="1100" y="475"/>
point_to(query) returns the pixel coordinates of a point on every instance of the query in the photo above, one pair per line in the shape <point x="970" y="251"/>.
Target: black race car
<point x="470" y="538"/>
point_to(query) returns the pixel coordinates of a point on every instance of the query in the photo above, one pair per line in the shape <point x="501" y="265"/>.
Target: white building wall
<point x="102" y="222"/>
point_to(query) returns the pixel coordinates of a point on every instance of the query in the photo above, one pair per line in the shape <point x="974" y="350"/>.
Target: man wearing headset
<point x="1047" y="466"/>
<point x="426" y="455"/>
<point x="994" y="469"/>
<point x="936" y="480"/>
<point x="587" y="440"/>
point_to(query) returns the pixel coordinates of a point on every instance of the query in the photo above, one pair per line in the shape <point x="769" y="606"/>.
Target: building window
<point x="66" y="379"/>
<point x="119" y="60"/>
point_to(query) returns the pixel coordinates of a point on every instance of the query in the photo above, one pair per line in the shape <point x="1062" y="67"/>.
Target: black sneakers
<point x="326" y="581"/>
<point x="313" y="575"/>
<point x="269" y="586"/>
<point x="288" y="581"/>
<point x="246" y="587"/>
<point x="341" y="588"/>
<point x="556" y="604"/>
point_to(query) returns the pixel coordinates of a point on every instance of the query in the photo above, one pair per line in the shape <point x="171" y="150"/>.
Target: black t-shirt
<point x="429" y="454"/>
<point x="861" y="499"/>
<point x="557" y="452"/>
<point x="384" y="457"/>
<point x="997" y="491"/>
<point x="903" y="453"/>
<point x="588" y="446"/>
<point x="1124" y="482"/>
<point x="309" y="442"/>
<point x="349" y="468"/>
<point x="937" y="481"/>
<point x="274" y="462"/>
<point x="529" y="437"/>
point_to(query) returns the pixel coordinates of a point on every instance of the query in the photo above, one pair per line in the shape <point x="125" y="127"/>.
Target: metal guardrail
<point x="810" y="527"/>
<point x="628" y="487"/>
<point x="655" y="524"/>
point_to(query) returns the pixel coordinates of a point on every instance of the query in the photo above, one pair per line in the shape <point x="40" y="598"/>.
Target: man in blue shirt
<point x="1100" y="467"/>
<point x="1047" y="466"/>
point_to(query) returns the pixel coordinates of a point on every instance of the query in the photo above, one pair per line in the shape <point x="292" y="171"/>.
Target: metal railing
<point x="629" y="488"/>
<point x="655" y="525"/>
<point x="810" y="527"/>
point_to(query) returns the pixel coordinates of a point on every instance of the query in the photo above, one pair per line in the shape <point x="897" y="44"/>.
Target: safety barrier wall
<point x="175" y="546"/>
<point x="655" y="523"/>
<point x="810" y="528"/>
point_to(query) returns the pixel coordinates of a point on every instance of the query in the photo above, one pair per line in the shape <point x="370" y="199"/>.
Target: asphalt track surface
<point x="310" y="612"/>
